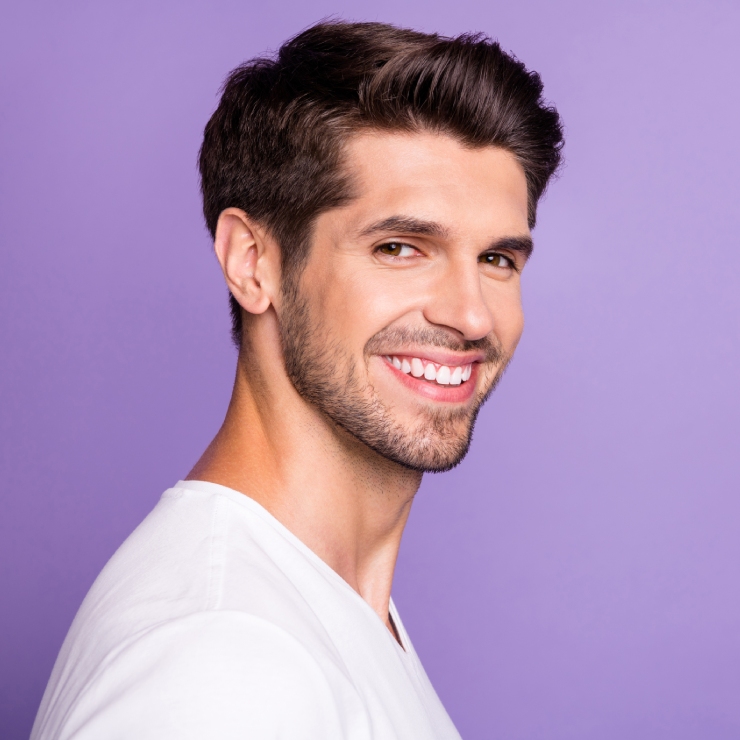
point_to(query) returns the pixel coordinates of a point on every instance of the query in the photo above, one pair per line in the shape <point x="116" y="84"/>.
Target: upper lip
<point x="439" y="356"/>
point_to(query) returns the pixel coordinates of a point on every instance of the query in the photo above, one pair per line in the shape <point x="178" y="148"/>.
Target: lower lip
<point x="435" y="392"/>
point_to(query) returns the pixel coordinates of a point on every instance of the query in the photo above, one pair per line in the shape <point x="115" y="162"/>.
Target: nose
<point x="456" y="301"/>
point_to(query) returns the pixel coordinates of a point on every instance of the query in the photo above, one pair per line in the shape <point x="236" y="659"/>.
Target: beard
<point x="325" y="375"/>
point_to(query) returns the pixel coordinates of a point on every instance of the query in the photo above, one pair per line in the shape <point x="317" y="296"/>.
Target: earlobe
<point x="244" y="253"/>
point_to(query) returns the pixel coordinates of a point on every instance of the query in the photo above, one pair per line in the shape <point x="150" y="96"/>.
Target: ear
<point x="249" y="258"/>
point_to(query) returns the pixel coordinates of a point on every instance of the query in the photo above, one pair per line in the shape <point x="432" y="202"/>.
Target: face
<point x="408" y="309"/>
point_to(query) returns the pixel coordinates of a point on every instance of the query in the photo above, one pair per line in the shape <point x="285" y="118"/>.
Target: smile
<point x="431" y="371"/>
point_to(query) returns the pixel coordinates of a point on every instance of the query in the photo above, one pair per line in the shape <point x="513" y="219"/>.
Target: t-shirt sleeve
<point x="210" y="676"/>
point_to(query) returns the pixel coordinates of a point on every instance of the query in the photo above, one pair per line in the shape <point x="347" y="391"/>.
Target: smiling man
<point x="371" y="192"/>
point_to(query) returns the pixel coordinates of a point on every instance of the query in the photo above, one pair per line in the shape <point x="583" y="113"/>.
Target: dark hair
<point x="273" y="146"/>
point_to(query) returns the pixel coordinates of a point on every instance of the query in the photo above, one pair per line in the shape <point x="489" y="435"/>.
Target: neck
<point x="344" y="501"/>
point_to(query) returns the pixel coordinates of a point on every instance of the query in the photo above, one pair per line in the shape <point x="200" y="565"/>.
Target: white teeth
<point x="443" y="375"/>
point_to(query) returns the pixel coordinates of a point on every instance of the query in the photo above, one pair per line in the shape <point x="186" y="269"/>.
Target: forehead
<point x="434" y="177"/>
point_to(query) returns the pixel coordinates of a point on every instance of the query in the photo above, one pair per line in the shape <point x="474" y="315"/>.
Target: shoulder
<point x="216" y="674"/>
<point x="193" y="624"/>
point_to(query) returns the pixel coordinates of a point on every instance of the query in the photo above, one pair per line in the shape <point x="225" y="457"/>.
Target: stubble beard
<point x="326" y="376"/>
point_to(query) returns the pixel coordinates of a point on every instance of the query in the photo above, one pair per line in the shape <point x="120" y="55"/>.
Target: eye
<point x="496" y="259"/>
<point x="396" y="249"/>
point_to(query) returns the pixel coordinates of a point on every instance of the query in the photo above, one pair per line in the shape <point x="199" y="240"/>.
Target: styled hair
<point x="273" y="147"/>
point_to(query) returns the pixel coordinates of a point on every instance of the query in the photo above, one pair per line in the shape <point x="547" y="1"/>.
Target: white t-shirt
<point x="214" y="622"/>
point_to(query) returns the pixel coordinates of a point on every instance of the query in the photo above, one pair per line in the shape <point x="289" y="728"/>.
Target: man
<point x="371" y="192"/>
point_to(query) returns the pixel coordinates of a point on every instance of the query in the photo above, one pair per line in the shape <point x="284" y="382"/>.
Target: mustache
<point x="427" y="336"/>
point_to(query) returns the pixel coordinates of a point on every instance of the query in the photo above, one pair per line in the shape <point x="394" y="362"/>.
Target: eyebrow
<point x="522" y="244"/>
<point x="408" y="225"/>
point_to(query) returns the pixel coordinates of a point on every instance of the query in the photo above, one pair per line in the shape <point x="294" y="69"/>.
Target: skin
<point x="435" y="240"/>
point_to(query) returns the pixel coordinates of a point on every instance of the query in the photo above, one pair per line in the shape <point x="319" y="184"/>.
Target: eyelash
<point x="511" y="265"/>
<point x="393" y="245"/>
<point x="482" y="258"/>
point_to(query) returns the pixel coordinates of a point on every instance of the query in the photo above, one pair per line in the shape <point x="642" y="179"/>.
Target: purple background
<point x="579" y="575"/>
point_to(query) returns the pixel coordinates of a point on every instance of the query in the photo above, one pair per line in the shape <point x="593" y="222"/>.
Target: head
<point x="398" y="173"/>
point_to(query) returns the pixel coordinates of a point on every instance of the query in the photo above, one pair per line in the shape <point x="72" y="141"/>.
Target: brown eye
<point x="396" y="249"/>
<point x="495" y="259"/>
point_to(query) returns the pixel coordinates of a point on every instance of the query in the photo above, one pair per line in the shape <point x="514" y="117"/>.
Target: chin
<point x="437" y="446"/>
<point x="437" y="459"/>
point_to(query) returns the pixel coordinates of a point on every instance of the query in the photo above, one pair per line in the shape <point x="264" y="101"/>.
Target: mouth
<point x="433" y="372"/>
<point x="436" y="381"/>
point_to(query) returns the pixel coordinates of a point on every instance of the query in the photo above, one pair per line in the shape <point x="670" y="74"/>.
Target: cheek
<point x="508" y="317"/>
<point x="517" y="327"/>
<point x="352" y="303"/>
